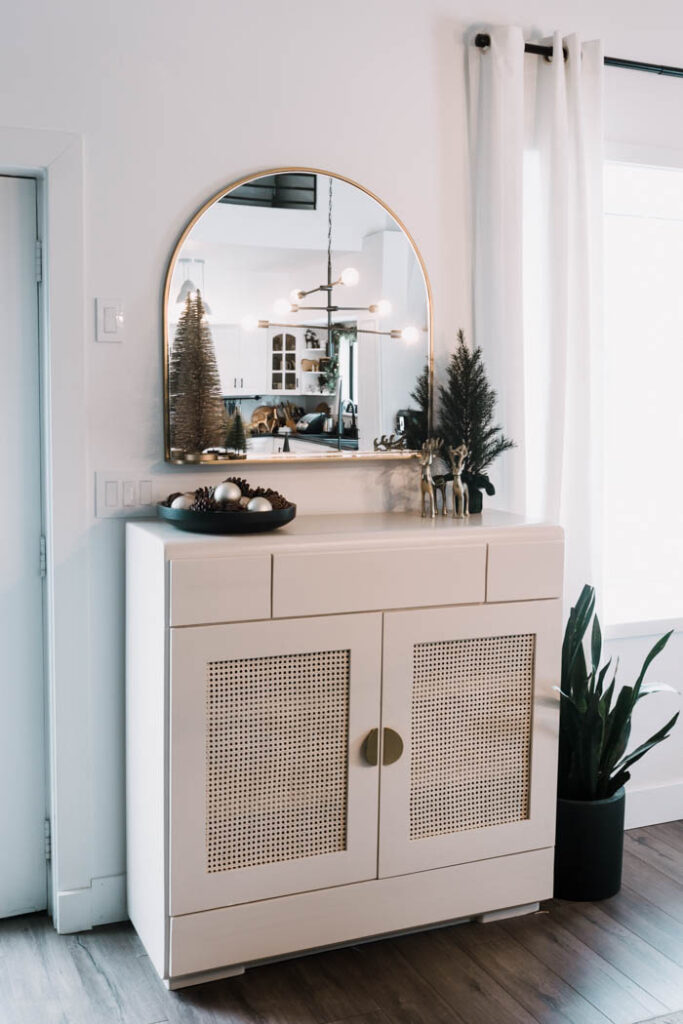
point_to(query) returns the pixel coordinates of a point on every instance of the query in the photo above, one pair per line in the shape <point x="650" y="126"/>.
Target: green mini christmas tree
<point x="329" y="375"/>
<point x="197" y="413"/>
<point x="467" y="409"/>
<point x="417" y="420"/>
<point x="236" y="437"/>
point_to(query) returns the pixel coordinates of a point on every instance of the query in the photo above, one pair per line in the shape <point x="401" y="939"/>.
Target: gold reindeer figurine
<point x="461" y="494"/>
<point x="428" y="485"/>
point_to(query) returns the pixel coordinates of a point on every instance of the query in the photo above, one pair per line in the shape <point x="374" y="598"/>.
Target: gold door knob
<point x="392" y="746"/>
<point x="370" y="747"/>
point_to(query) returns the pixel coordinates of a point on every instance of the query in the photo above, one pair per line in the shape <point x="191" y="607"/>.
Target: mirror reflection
<point x="297" y="324"/>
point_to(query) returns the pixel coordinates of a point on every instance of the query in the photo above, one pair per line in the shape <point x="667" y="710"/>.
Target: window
<point x="279" y="191"/>
<point x="643" y="393"/>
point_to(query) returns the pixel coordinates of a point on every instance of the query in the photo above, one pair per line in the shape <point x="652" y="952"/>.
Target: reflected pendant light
<point x="207" y="307"/>
<point x="188" y="286"/>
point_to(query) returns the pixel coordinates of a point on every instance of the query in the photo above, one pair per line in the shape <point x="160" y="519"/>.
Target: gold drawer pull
<point x="392" y="747"/>
<point x="371" y="747"/>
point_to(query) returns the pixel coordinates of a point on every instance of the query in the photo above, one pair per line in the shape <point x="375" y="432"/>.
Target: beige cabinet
<point x="336" y="731"/>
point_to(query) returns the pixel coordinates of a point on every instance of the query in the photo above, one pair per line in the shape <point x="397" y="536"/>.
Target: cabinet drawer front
<point x="525" y="572"/>
<point x="206" y="590"/>
<point x="323" y="583"/>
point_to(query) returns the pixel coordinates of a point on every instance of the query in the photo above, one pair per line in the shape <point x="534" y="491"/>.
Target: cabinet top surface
<point x="353" y="530"/>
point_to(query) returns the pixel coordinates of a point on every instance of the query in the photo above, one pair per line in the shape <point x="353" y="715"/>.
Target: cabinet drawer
<point x="323" y="583"/>
<point x="525" y="572"/>
<point x="205" y="590"/>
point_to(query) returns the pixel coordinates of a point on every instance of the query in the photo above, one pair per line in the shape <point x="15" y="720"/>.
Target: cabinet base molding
<point x="216" y="940"/>
<point x="200" y="977"/>
<point x="502" y="915"/>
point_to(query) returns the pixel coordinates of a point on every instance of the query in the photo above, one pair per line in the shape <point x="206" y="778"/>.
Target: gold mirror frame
<point x="292" y="457"/>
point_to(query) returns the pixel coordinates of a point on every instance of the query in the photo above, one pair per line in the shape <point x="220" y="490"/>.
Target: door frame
<point x="37" y="842"/>
<point x="55" y="160"/>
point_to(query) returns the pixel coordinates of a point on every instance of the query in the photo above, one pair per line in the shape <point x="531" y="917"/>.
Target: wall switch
<point x="130" y="493"/>
<point x="119" y="494"/>
<point x="109" y="320"/>
<point x="111" y="493"/>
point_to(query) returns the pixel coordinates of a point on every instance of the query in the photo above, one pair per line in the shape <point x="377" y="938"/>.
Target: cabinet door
<point x="253" y="378"/>
<point x="226" y="343"/>
<point x="470" y="692"/>
<point x="270" y="792"/>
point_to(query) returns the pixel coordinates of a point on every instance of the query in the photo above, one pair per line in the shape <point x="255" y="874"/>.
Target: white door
<point x="23" y="875"/>
<point x="470" y="692"/>
<point x="272" y="788"/>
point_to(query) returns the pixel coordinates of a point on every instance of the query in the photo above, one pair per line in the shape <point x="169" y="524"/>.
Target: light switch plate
<point x="109" y="320"/>
<point x="123" y="495"/>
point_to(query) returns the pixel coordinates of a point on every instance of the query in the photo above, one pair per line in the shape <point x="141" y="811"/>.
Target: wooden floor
<point x="620" y="960"/>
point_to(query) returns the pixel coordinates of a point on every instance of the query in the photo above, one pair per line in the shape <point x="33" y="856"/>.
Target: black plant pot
<point x="476" y="500"/>
<point x="589" y="847"/>
<point x="477" y="483"/>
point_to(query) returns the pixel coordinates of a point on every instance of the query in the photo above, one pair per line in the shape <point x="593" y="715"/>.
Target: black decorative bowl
<point x="226" y="522"/>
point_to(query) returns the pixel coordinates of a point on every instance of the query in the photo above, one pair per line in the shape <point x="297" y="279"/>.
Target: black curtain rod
<point x="483" y="40"/>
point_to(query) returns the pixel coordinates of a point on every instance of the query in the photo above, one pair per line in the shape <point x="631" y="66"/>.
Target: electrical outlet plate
<point x="123" y="495"/>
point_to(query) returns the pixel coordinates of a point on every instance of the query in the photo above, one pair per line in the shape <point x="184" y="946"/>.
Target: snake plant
<point x="595" y="718"/>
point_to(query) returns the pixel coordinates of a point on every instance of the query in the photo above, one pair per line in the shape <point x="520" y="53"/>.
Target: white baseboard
<point x="103" y="902"/>
<point x="652" y="805"/>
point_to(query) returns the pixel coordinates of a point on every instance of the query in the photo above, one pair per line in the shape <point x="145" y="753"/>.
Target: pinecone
<point x="204" y="500"/>
<point x="242" y="484"/>
<point x="277" y="500"/>
<point x="231" y="506"/>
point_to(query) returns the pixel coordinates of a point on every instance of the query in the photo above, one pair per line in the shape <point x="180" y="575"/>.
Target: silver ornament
<point x="259" y="504"/>
<point x="227" y="491"/>
<point x="183" y="500"/>
<point x="439" y="466"/>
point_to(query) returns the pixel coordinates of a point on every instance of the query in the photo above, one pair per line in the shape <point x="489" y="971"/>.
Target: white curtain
<point x="536" y="145"/>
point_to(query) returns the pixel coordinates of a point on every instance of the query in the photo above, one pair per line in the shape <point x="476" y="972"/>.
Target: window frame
<point x="656" y="157"/>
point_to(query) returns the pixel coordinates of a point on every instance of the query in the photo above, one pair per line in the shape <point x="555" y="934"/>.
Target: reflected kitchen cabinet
<point x="241" y="358"/>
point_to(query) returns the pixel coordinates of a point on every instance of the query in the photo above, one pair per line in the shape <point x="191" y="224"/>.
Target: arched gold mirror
<point x="297" y="325"/>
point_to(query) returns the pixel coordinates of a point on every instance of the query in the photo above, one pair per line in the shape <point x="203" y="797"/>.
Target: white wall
<point x="655" y="792"/>
<point x="175" y="100"/>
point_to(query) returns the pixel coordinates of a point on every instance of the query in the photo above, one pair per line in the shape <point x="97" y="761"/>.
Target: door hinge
<point x="47" y="828"/>
<point x="39" y="261"/>
<point x="43" y="557"/>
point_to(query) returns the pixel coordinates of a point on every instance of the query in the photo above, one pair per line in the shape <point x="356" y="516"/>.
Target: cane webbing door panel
<point x="270" y="792"/>
<point x="469" y="690"/>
